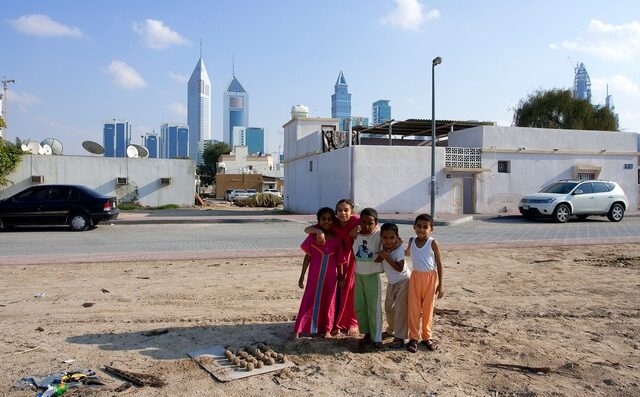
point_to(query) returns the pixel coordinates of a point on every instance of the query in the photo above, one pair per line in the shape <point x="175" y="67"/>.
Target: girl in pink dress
<point x="346" y="320"/>
<point x="325" y="263"/>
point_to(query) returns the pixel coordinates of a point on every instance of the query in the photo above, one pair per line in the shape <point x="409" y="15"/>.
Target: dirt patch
<point x="573" y="310"/>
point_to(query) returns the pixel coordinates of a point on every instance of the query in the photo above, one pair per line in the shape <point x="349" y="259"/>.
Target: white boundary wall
<point x="100" y="173"/>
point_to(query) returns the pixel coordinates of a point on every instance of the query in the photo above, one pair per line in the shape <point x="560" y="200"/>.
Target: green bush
<point x="10" y="157"/>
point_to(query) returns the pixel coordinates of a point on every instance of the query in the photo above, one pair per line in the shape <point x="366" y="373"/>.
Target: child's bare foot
<point x="335" y="332"/>
<point x="353" y="331"/>
<point x="326" y="335"/>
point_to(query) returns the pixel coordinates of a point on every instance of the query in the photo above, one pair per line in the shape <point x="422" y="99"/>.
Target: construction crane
<point x="3" y="101"/>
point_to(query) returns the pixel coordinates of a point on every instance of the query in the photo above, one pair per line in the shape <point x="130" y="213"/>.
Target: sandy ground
<point x="573" y="309"/>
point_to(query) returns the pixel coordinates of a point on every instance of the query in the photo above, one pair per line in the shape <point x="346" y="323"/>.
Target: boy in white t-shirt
<point x="368" y="288"/>
<point x="395" y="304"/>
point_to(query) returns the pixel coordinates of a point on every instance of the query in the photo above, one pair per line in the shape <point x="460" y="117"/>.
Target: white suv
<point x="564" y="198"/>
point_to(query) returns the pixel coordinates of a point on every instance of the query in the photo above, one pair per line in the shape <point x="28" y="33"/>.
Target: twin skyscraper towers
<point x="235" y="111"/>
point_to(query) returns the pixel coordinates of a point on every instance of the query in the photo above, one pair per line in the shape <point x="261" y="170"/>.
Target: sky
<point x="79" y="63"/>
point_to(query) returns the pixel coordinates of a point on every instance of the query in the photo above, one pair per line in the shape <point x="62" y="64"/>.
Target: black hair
<point x="424" y="217"/>
<point x="345" y="201"/>
<point x="324" y="210"/>
<point x="370" y="212"/>
<point x="389" y="226"/>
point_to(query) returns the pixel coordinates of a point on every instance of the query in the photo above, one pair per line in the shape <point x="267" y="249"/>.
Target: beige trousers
<point x="395" y="307"/>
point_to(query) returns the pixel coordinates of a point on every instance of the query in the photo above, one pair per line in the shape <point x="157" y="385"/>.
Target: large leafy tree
<point x="210" y="157"/>
<point x="558" y="108"/>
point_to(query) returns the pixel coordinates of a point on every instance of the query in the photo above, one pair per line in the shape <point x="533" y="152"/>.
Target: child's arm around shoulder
<point x="436" y="253"/>
<point x="320" y="237"/>
<point x="407" y="252"/>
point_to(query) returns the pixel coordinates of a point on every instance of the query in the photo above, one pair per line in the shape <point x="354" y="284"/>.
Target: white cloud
<point x="157" y="35"/>
<point x="21" y="98"/>
<point x="607" y="41"/>
<point x="618" y="84"/>
<point x="177" y="108"/>
<point x="125" y="76"/>
<point x="180" y="78"/>
<point x="409" y="15"/>
<point x="43" y="26"/>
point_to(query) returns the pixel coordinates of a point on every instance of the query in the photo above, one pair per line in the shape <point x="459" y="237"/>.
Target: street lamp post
<point x="436" y="61"/>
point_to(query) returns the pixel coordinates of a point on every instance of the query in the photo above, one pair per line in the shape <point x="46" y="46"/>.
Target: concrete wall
<point x="397" y="179"/>
<point x="100" y="173"/>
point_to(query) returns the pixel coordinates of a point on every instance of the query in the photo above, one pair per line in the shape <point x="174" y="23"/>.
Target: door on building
<point x="457" y="190"/>
<point x="469" y="189"/>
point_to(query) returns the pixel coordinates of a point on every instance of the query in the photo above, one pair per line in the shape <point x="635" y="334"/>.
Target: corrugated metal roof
<point x="421" y="127"/>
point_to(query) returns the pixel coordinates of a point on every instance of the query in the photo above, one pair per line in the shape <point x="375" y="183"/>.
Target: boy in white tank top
<point x="425" y="282"/>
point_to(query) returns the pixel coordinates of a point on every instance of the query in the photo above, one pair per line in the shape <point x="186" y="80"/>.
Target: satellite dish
<point x="93" y="147"/>
<point x="132" y="152"/>
<point x="46" y="150"/>
<point x="34" y="147"/>
<point x="25" y="148"/>
<point x="54" y="144"/>
<point x="142" y="151"/>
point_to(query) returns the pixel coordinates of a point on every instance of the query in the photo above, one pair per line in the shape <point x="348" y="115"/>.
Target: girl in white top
<point x="425" y="282"/>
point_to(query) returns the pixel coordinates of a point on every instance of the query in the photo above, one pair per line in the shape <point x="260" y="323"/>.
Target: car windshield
<point x="560" y="187"/>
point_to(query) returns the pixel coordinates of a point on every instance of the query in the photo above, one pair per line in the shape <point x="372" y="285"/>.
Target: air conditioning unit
<point x="122" y="181"/>
<point x="165" y="181"/>
<point x="37" y="178"/>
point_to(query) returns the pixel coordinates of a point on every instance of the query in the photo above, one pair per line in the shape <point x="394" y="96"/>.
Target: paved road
<point x="220" y="240"/>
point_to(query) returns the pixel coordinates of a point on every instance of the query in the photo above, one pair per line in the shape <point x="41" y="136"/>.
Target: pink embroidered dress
<point x="317" y="308"/>
<point x="347" y="318"/>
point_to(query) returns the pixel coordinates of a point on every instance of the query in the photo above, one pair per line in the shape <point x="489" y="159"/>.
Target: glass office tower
<point x="198" y="110"/>
<point x="341" y="102"/>
<point x="380" y="111"/>
<point x="175" y="141"/>
<point x="235" y="110"/>
<point x="116" y="136"/>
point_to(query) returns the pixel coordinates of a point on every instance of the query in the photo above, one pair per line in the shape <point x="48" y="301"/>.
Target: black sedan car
<point x="78" y="206"/>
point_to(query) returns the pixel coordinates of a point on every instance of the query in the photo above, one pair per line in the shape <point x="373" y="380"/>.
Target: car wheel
<point x="530" y="217"/>
<point x="616" y="212"/>
<point x="79" y="222"/>
<point x="561" y="213"/>
<point x="582" y="217"/>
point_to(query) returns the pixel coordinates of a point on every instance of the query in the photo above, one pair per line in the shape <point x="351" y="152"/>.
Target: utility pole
<point x="3" y="98"/>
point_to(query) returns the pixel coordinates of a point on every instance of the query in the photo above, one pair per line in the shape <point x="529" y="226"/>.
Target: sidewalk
<point x="194" y="215"/>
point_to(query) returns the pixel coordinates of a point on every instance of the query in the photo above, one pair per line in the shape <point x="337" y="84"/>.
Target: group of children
<point x="345" y="255"/>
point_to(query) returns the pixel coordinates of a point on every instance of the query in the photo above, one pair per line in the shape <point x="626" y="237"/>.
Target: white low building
<point x="239" y="161"/>
<point x="483" y="169"/>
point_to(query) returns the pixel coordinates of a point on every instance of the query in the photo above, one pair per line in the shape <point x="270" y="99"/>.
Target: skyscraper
<point x="380" y="111"/>
<point x="341" y="102"/>
<point x="582" y="83"/>
<point x="175" y="141"/>
<point x="254" y="138"/>
<point x="116" y="136"/>
<point x="198" y="110"/>
<point x="235" y="110"/>
<point x="150" y="141"/>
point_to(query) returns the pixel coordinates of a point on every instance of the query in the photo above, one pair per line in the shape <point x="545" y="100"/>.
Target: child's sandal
<point x="412" y="346"/>
<point x="397" y="343"/>
<point x="378" y="345"/>
<point x="430" y="344"/>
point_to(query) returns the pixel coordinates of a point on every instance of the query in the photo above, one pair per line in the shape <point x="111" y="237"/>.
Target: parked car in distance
<point x="273" y="191"/>
<point x="227" y="194"/>
<point x="565" y="198"/>
<point x="78" y="206"/>
<point x="238" y="194"/>
<point x="251" y="192"/>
